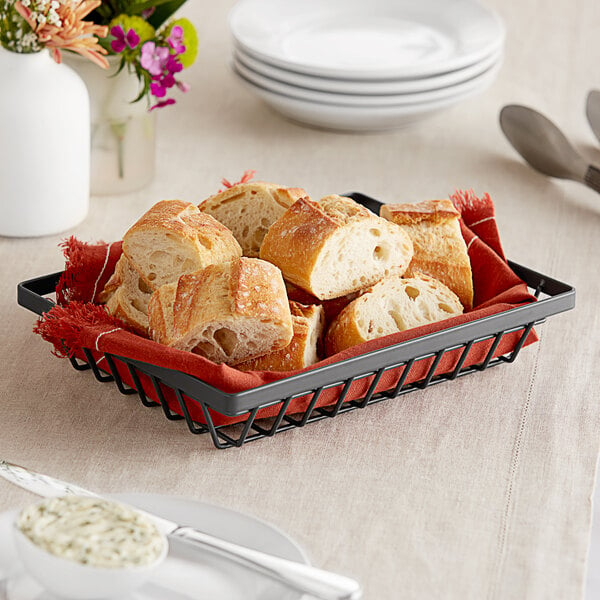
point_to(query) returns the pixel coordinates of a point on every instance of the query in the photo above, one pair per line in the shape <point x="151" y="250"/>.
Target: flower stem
<point x="119" y="130"/>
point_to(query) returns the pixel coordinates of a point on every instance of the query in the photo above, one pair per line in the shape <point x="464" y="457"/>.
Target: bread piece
<point x="124" y="274"/>
<point x="392" y="305"/>
<point x="331" y="308"/>
<point x="174" y="238"/>
<point x="228" y="312"/>
<point x="160" y="314"/>
<point x="114" y="282"/>
<point x="126" y="296"/>
<point x="440" y="250"/>
<point x="301" y="352"/>
<point x="249" y="209"/>
<point x="335" y="247"/>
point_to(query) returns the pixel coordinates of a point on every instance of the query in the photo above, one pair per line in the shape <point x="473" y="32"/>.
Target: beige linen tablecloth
<point x="478" y="489"/>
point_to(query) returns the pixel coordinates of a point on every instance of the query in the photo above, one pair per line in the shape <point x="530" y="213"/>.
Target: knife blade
<point x="300" y="577"/>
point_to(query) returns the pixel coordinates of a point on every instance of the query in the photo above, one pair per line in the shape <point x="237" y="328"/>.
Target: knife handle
<point x="301" y="577"/>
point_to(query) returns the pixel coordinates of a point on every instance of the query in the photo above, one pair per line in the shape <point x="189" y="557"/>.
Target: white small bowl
<point x="69" y="579"/>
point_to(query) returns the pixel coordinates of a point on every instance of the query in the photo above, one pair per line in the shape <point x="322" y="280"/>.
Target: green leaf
<point x="136" y="8"/>
<point x="109" y="9"/>
<point x="144" y="91"/>
<point x="121" y="67"/>
<point x="164" y="10"/>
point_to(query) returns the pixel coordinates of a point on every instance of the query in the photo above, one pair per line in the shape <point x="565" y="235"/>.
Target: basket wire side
<point x="253" y="428"/>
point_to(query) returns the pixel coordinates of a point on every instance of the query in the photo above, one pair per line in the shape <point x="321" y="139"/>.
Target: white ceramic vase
<point x="123" y="131"/>
<point x="44" y="146"/>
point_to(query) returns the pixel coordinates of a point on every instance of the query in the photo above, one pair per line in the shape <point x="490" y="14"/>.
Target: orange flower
<point x="70" y="31"/>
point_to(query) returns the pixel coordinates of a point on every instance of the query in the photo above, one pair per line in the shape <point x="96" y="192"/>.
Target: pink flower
<point x="160" y="85"/>
<point x="158" y="90"/>
<point x="122" y="40"/>
<point x="167" y="102"/>
<point x="168" y="81"/>
<point x="176" y="38"/>
<point x="173" y="65"/>
<point x="132" y="38"/>
<point x="163" y="65"/>
<point x="154" y="58"/>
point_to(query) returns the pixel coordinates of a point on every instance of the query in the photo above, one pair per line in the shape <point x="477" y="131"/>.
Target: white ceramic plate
<point x="361" y="100"/>
<point x="338" y="117"/>
<point x="187" y="573"/>
<point x="359" y="39"/>
<point x="371" y="88"/>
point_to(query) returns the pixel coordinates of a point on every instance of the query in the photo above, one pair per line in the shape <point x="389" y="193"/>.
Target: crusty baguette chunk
<point x="249" y="209"/>
<point x="392" y="305"/>
<point x="440" y="250"/>
<point x="335" y="247"/>
<point x="301" y="352"/>
<point x="174" y="238"/>
<point x="160" y="314"/>
<point x="114" y="283"/>
<point x="126" y="296"/>
<point x="227" y="313"/>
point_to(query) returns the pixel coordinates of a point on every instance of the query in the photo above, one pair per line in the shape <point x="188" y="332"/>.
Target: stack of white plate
<point x="364" y="65"/>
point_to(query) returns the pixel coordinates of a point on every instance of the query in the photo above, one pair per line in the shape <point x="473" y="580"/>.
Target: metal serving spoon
<point x="592" y="110"/>
<point x="544" y="146"/>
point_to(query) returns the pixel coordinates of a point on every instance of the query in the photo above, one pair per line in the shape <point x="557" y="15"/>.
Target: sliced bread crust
<point x="249" y="209"/>
<point x="160" y="314"/>
<point x="228" y="312"/>
<point x="335" y="247"/>
<point x="439" y="247"/>
<point x="174" y="238"/>
<point x="392" y="305"/>
<point x="126" y="296"/>
<point x="301" y="352"/>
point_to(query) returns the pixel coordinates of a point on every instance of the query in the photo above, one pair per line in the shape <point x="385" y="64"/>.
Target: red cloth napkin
<point x="79" y="323"/>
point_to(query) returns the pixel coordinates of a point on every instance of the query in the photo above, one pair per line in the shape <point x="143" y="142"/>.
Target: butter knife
<point x="300" y="577"/>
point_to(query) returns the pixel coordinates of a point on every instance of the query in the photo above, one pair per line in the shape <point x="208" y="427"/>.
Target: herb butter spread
<point x="92" y="531"/>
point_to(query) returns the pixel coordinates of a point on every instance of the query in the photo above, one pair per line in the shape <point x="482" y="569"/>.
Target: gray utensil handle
<point x="592" y="178"/>
<point x="301" y="577"/>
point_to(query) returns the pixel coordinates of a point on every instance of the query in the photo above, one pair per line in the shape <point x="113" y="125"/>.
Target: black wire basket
<point x="180" y="395"/>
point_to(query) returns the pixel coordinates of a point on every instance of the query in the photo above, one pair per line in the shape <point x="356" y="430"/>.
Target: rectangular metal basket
<point x="552" y="297"/>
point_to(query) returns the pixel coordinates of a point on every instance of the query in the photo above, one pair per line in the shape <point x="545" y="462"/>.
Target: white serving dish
<point x="367" y="40"/>
<point x="458" y="91"/>
<point x="339" y="117"/>
<point x="367" y="87"/>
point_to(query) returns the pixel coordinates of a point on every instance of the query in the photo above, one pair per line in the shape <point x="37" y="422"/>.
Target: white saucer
<point x="354" y="86"/>
<point x="356" y="39"/>
<point x="458" y="90"/>
<point x="338" y="117"/>
<point x="187" y="573"/>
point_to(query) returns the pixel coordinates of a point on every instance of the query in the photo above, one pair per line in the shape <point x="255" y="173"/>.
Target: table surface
<point x="476" y="489"/>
